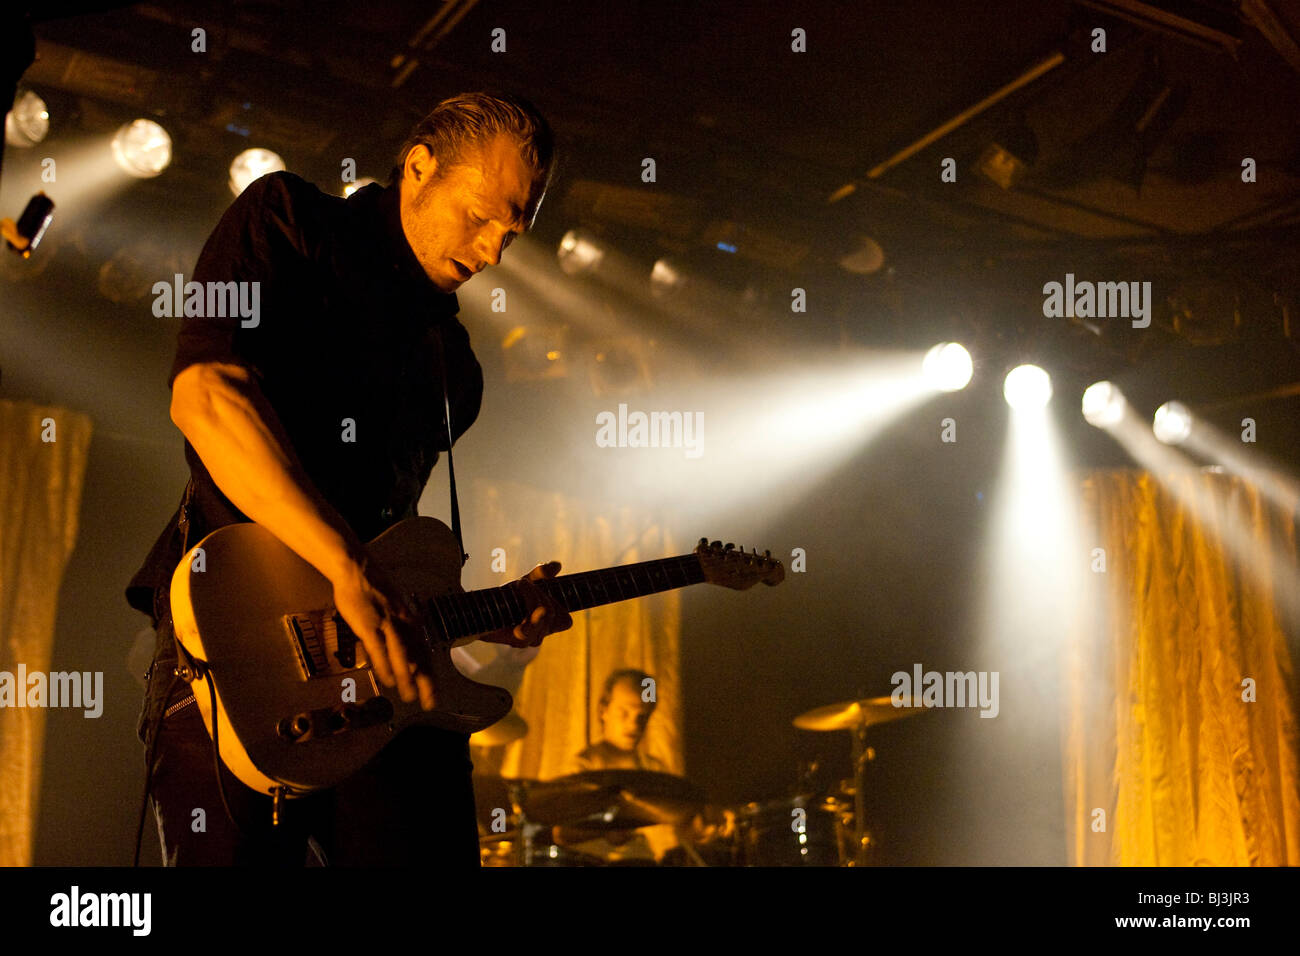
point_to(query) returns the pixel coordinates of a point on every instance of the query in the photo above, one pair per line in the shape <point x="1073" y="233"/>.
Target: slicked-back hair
<point x="471" y="120"/>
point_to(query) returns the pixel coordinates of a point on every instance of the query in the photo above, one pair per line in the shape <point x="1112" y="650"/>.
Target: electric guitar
<point x="297" y="705"/>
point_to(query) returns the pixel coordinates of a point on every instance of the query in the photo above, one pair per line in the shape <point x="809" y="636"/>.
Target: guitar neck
<point x="490" y="609"/>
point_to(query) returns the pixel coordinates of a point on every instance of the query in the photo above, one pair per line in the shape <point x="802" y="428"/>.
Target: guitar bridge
<point x="323" y="643"/>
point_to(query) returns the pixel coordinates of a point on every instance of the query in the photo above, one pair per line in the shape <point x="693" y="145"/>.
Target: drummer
<point x="626" y="705"/>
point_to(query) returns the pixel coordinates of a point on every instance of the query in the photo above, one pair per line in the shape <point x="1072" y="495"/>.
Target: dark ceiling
<point x="1137" y="172"/>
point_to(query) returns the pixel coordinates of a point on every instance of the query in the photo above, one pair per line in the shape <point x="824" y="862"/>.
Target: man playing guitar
<point x="321" y="420"/>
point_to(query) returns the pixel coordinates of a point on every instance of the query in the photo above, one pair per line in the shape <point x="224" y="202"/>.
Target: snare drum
<point x="802" y="831"/>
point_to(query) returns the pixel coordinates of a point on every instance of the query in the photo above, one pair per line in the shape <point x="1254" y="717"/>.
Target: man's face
<point x="624" y="719"/>
<point x="459" y="222"/>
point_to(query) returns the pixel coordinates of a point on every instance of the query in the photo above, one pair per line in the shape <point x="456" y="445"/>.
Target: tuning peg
<point x="704" y="543"/>
<point x="715" y="544"/>
<point x="729" y="547"/>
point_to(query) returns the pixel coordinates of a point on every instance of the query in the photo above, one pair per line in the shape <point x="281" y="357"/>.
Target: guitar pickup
<point x="307" y="644"/>
<point x="323" y="643"/>
<point x="346" y="654"/>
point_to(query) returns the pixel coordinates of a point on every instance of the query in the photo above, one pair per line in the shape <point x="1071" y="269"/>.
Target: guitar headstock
<point x="736" y="568"/>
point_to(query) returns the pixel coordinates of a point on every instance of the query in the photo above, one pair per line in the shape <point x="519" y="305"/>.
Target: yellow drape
<point x="1165" y="763"/>
<point x="561" y="687"/>
<point x="40" y="497"/>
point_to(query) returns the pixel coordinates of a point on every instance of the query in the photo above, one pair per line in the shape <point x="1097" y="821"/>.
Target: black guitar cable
<point x="216" y="755"/>
<point x="154" y="730"/>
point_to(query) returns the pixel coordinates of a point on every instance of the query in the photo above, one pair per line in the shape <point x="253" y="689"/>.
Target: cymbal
<point x="614" y="799"/>
<point x="857" y="713"/>
<point x="508" y="729"/>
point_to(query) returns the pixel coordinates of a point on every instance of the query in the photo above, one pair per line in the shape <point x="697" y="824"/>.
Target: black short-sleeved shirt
<point x="344" y="347"/>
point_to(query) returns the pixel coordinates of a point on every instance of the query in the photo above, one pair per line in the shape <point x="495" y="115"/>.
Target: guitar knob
<point x="378" y="710"/>
<point x="294" y="728"/>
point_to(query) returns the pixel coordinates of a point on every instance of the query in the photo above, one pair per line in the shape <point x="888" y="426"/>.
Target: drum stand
<point x="527" y="831"/>
<point x="862" y="754"/>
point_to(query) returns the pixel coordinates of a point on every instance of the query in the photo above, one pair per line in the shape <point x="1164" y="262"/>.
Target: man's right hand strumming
<point x="391" y="631"/>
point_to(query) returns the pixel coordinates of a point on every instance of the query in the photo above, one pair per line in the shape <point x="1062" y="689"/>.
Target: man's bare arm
<point x="222" y="411"/>
<point x="228" y="420"/>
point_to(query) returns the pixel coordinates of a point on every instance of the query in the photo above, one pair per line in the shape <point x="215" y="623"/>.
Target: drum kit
<point x="808" y="829"/>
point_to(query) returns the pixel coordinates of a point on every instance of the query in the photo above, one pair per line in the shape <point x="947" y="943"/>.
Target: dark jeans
<point x="413" y="804"/>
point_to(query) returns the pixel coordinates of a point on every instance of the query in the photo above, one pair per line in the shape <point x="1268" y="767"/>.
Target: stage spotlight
<point x="1172" y="423"/>
<point x="864" y="258"/>
<point x="142" y="148"/>
<point x="947" y="367"/>
<point x="1027" y="387"/>
<point x="665" y="278"/>
<point x="1006" y="160"/>
<point x="579" y="252"/>
<point x="253" y="164"/>
<point x="1103" y="404"/>
<point x="361" y="183"/>
<point x="28" y="122"/>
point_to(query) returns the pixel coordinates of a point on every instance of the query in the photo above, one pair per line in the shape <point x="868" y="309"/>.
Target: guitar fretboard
<point x="490" y="609"/>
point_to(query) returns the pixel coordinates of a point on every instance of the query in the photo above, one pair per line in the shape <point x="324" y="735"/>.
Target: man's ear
<point x="420" y="165"/>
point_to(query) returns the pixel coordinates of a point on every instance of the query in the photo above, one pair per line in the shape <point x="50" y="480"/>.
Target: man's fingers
<point x="539" y="624"/>
<point x="546" y="615"/>
<point x="544" y="571"/>
<point x="401" y="666"/>
<point x="425" y="685"/>
<point x="374" y="645"/>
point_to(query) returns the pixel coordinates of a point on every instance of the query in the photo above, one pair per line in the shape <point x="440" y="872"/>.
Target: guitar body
<point x="297" y="705"/>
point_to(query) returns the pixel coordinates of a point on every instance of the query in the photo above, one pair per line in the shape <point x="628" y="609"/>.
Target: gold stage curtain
<point x="561" y="687"/>
<point x="40" y="498"/>
<point x="1157" y="735"/>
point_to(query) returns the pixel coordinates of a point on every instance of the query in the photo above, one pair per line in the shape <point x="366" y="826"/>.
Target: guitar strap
<point x="451" y="468"/>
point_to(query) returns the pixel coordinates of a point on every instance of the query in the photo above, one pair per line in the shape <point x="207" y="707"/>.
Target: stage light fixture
<point x="1006" y="160"/>
<point x="1027" y="387"/>
<point x="142" y="148"/>
<point x="864" y="258"/>
<point x="579" y="252"/>
<point x="1172" y="423"/>
<point x="253" y="164"/>
<point x="28" y="122"/>
<point x="1103" y="404"/>
<point x="947" y="367"/>
<point x="665" y="278"/>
